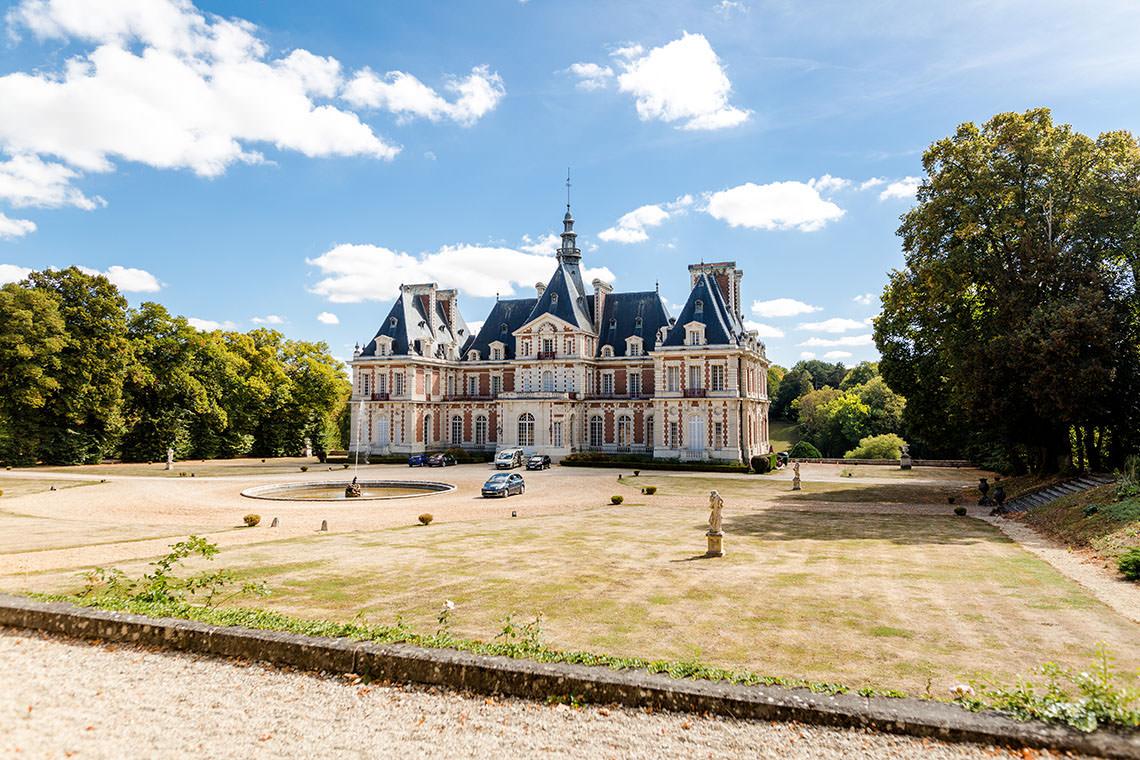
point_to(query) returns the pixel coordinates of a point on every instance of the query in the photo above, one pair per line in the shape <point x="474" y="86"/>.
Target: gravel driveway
<point x="63" y="698"/>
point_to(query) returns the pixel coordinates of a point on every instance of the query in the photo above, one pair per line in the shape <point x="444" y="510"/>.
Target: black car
<point x="538" y="462"/>
<point x="504" y="484"/>
<point x="440" y="460"/>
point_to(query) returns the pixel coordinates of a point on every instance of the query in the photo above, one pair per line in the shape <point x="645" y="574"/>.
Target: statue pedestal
<point x="716" y="545"/>
<point x="904" y="463"/>
<point x="796" y="483"/>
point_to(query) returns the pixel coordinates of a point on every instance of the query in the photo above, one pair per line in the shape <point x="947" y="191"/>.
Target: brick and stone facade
<point x="567" y="371"/>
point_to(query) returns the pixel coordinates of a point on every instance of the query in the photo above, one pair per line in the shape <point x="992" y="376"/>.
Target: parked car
<point x="440" y="460"/>
<point x="418" y="460"/>
<point x="508" y="459"/>
<point x="504" y="484"/>
<point x="538" y="462"/>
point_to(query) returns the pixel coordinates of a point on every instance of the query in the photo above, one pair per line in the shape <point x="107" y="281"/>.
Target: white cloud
<point x="763" y="330"/>
<point x="353" y="273"/>
<point x="846" y="341"/>
<point x="591" y="76"/>
<point x="544" y="245"/>
<point x="838" y="355"/>
<point x="12" y="273"/>
<point x="782" y="307"/>
<point x="131" y="280"/>
<point x="27" y="180"/>
<point x="631" y="227"/>
<point x="870" y="320"/>
<point x="727" y="8"/>
<point x="807" y="354"/>
<point x="833" y="325"/>
<point x="13" y="228"/>
<point x="867" y="184"/>
<point x="829" y="184"/>
<point x="775" y="206"/>
<point x="477" y="94"/>
<point x="901" y="188"/>
<point x="269" y="319"/>
<point x="864" y="299"/>
<point x="207" y="325"/>
<point x="328" y="318"/>
<point x="680" y="82"/>
<point x="473" y="328"/>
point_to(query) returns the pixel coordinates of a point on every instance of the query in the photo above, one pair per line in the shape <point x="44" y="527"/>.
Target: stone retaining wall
<point x="534" y="680"/>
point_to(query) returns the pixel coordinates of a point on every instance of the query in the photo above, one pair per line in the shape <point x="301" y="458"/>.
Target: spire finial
<point x="567" y="188"/>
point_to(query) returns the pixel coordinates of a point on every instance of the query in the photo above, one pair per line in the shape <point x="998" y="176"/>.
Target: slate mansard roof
<point x="706" y="305"/>
<point x="626" y="315"/>
<point x="506" y="317"/>
<point x="408" y="322"/>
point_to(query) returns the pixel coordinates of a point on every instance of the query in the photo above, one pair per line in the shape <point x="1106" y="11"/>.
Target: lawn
<point x="883" y="600"/>
<point x="783" y="435"/>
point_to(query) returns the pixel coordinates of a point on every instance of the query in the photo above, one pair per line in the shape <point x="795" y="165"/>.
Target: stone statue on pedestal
<point x="170" y="459"/>
<point x="714" y="534"/>
<point x="796" y="477"/>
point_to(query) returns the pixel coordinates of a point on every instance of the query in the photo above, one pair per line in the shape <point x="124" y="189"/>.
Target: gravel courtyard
<point x="73" y="699"/>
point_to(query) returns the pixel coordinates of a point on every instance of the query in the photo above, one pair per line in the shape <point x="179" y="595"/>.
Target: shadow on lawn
<point x="829" y="526"/>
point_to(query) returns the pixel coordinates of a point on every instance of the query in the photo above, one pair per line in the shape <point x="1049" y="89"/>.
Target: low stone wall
<point x="535" y="680"/>
<point x="895" y="462"/>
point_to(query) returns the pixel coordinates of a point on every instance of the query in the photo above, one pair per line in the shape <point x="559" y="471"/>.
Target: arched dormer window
<point x="699" y="307"/>
<point x="504" y="329"/>
<point x="637" y="324"/>
<point x="607" y="351"/>
<point x="553" y="299"/>
<point x="473" y="355"/>
<point x="613" y="323"/>
<point x="392" y="321"/>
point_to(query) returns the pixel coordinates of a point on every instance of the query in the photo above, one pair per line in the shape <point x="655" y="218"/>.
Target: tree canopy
<point x="1012" y="329"/>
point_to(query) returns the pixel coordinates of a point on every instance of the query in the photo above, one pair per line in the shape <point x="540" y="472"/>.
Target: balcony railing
<point x="547" y="355"/>
<point x="695" y="393"/>
<point x="379" y="396"/>
<point x="468" y="397"/>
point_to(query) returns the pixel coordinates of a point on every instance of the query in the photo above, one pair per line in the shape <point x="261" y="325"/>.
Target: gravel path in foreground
<point x="74" y="699"/>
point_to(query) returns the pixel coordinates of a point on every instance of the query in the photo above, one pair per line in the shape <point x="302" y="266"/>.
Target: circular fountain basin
<point x="371" y="490"/>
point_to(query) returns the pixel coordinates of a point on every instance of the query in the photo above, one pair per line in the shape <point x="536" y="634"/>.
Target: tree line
<point x="1013" y="329"/>
<point x="84" y="377"/>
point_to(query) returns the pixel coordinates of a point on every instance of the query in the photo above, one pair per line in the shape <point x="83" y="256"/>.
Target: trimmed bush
<point x="886" y="446"/>
<point x="425" y="519"/>
<point x="304" y="468"/>
<point x="804" y="450"/>
<point x="649" y="490"/>
<point x="960" y="511"/>
<point x="615" y="499"/>
<point x="1129" y="564"/>
<point x="251" y="520"/>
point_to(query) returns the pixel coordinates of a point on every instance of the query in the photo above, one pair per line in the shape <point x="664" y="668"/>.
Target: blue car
<point x="418" y="460"/>
<point x="504" y="484"/>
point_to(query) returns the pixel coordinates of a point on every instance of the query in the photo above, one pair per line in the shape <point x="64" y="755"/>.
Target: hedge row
<point x="633" y="462"/>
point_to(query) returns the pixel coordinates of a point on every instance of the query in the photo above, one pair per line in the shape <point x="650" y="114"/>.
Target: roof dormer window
<point x="637" y="324"/>
<point x="473" y="355"/>
<point x="613" y="323"/>
<point x="504" y="329"/>
<point x="392" y="321"/>
<point x="553" y="299"/>
<point x="607" y="351"/>
<point x="698" y="306"/>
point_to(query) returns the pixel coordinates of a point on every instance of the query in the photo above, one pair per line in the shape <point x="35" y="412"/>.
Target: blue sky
<point x="290" y="163"/>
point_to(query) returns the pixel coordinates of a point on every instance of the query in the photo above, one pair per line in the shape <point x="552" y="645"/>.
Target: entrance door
<point x="696" y="435"/>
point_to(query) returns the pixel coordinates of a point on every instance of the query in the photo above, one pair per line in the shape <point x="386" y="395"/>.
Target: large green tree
<point x="1012" y="328"/>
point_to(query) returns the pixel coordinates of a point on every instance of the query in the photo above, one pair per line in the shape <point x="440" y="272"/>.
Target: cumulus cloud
<point x="328" y="318"/>
<point x="631" y="227"/>
<point x="838" y="355"/>
<point x="28" y="180"/>
<point x="476" y="95"/>
<point x="846" y="341"/>
<point x="13" y="228"/>
<point x="829" y="184"/>
<point x="867" y="184"/>
<point x="591" y="76"/>
<point x="763" y="330"/>
<point x="864" y="299"/>
<point x="541" y="246"/>
<point x="208" y="325"/>
<point x="807" y="354"/>
<point x="127" y="279"/>
<point x="901" y="188"/>
<point x="269" y="319"/>
<point x="782" y="307"/>
<point x="774" y="206"/>
<point x="833" y="325"/>
<point x="352" y="273"/>
<point x="681" y="82"/>
<point x="12" y="273"/>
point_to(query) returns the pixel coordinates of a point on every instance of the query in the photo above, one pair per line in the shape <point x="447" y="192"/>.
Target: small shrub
<point x="251" y="520"/>
<point x="960" y="511"/>
<point x="761" y="465"/>
<point x="1129" y="564"/>
<point x="649" y="490"/>
<point x="1090" y="510"/>
<point x="304" y="468"/>
<point x="888" y="446"/>
<point x="615" y="499"/>
<point x="426" y="518"/>
<point x="804" y="450"/>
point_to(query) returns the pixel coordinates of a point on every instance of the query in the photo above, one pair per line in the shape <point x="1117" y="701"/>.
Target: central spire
<point x="569" y="252"/>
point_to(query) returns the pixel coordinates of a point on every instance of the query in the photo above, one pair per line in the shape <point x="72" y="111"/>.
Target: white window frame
<point x="633" y="381"/>
<point x="597" y="427"/>
<point x="526" y="429"/>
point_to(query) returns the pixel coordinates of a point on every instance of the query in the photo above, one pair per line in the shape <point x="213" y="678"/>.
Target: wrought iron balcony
<point x="379" y="396"/>
<point x="547" y="355"/>
<point x="695" y="393"/>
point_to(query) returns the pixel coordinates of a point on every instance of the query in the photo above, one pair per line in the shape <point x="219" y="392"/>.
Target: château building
<point x="567" y="370"/>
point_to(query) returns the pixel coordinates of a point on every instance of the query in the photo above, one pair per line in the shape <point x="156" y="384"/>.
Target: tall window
<point x="365" y="384"/>
<point x="568" y="347"/>
<point x="607" y="383"/>
<point x="427" y="428"/>
<point x="548" y="345"/>
<point x="634" y="385"/>
<point x="526" y="429"/>
<point x="480" y="430"/>
<point x="473" y="385"/>
<point x="401" y="378"/>
<point x="451" y="385"/>
<point x="649" y="432"/>
<point x="496" y="384"/>
<point x="382" y="384"/>
<point x="624" y="431"/>
<point x="718" y="435"/>
<point x="596" y="432"/>
<point x="548" y="381"/>
<point x="696" y="433"/>
<point x="556" y="435"/>
<point x="694" y="337"/>
<point x="456" y="430"/>
<point x="694" y="376"/>
<point x="673" y="379"/>
<point x="674" y="441"/>
<point x="716" y="379"/>
<point x="526" y="348"/>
